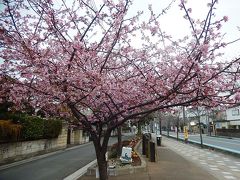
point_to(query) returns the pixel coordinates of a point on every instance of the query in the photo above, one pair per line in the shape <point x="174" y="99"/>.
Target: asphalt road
<point x="56" y="166"/>
<point x="227" y="144"/>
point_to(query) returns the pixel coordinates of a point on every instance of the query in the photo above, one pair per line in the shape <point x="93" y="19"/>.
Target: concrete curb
<point x="81" y="171"/>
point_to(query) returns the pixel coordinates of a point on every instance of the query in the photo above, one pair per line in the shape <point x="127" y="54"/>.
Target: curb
<point x="77" y="174"/>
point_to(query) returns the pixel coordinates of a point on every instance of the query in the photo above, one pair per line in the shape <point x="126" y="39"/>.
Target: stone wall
<point x="10" y="152"/>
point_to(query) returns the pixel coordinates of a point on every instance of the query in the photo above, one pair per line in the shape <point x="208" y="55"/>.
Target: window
<point x="235" y="112"/>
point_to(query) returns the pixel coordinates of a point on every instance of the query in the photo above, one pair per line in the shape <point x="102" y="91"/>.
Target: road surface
<point x="226" y="144"/>
<point x="56" y="166"/>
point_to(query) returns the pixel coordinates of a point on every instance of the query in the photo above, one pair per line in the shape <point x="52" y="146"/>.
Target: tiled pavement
<point x="222" y="166"/>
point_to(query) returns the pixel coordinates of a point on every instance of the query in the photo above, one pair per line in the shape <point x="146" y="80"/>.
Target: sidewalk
<point x="169" y="166"/>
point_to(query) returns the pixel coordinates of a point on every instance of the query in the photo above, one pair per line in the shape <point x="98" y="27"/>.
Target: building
<point x="233" y="117"/>
<point x="214" y="122"/>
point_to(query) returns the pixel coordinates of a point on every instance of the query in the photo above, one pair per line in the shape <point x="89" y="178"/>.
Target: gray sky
<point x="173" y="22"/>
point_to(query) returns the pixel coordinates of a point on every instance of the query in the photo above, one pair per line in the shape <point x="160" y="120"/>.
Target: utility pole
<point x="177" y="127"/>
<point x="168" y="124"/>
<point x="160" y="125"/>
<point x="200" y="128"/>
<point x="160" y="122"/>
<point x="184" y="115"/>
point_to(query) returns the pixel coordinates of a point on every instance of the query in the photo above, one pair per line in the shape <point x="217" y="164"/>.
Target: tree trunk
<point x="139" y="128"/>
<point x="102" y="166"/>
<point x="101" y="149"/>
<point x="119" y="145"/>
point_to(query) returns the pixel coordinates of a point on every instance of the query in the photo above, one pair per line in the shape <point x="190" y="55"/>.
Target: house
<point x="194" y="116"/>
<point x="233" y="117"/>
<point x="218" y="122"/>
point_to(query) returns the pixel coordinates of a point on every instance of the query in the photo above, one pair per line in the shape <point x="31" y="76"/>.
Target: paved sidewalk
<point x="222" y="166"/>
<point x="169" y="166"/>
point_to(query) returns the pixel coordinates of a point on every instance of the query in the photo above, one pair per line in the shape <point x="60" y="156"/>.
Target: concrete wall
<point x="10" y="152"/>
<point x="77" y="137"/>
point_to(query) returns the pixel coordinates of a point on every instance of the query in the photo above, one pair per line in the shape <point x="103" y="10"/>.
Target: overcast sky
<point x="173" y="22"/>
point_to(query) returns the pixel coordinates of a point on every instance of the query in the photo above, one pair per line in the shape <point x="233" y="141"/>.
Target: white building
<point x="233" y="117"/>
<point x="191" y="116"/>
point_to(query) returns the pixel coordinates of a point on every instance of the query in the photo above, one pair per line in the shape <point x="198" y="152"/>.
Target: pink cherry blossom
<point x="225" y="18"/>
<point x="83" y="63"/>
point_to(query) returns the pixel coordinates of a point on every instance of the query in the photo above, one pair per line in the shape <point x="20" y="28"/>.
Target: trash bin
<point x="159" y="140"/>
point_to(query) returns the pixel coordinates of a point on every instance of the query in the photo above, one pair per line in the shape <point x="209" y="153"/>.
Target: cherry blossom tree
<point x="77" y="60"/>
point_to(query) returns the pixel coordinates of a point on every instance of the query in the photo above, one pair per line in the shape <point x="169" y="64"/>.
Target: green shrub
<point x="33" y="127"/>
<point x="113" y="153"/>
<point x="25" y="127"/>
<point x="52" y="128"/>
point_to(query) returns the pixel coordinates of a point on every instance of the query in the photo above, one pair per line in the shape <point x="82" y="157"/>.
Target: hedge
<point x="31" y="127"/>
<point x="52" y="128"/>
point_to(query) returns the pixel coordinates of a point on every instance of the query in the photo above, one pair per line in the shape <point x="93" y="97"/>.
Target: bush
<point x="16" y="117"/>
<point x="113" y="153"/>
<point x="9" y="131"/>
<point x="52" y="128"/>
<point x="33" y="128"/>
<point x="25" y="127"/>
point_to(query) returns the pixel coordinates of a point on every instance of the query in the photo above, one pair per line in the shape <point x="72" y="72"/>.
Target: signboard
<point x="126" y="156"/>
